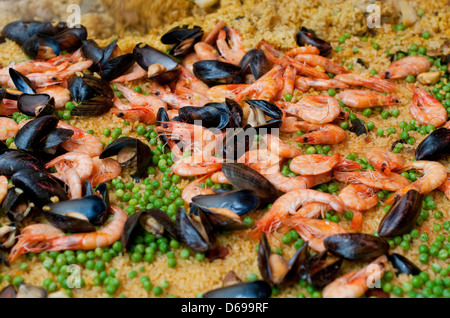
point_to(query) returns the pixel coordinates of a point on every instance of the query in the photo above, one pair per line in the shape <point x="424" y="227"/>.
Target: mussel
<point x="243" y="177"/>
<point x="22" y="82"/>
<point x="130" y="152"/>
<point x="214" y="72"/>
<point x="8" y="235"/>
<point x="93" y="95"/>
<point x="237" y="142"/>
<point x="117" y="66"/>
<point x="159" y="66"/>
<point x="257" y="61"/>
<point x="402" y="216"/>
<point x="33" y="134"/>
<point x="8" y="292"/>
<point x="71" y="39"/>
<point x="356" y="246"/>
<point x="261" y="109"/>
<point x="273" y="267"/>
<point x="210" y="116"/>
<point x="152" y="221"/>
<point x="184" y="38"/>
<point x="40" y="186"/>
<point x="77" y="215"/>
<point x="403" y="265"/>
<point x="195" y="229"/>
<point x="24" y="291"/>
<point x="323" y="273"/>
<point x="308" y="37"/>
<point x="435" y="146"/>
<point x="12" y="161"/>
<point x="257" y="289"/>
<point x="41" y="47"/>
<point x="358" y="127"/>
<point x="236" y="113"/>
<point x="36" y="104"/>
<point x="16" y="205"/>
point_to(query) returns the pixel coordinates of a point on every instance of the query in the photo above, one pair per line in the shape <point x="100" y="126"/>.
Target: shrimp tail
<point x="357" y="220"/>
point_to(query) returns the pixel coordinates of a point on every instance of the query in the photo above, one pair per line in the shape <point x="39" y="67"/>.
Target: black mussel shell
<point x="117" y="66"/>
<point x="240" y="202"/>
<point x="12" y="161"/>
<point x="245" y="62"/>
<point x="35" y="104"/>
<point x="41" y="47"/>
<point x="236" y="113"/>
<point x="30" y="291"/>
<point x="257" y="289"/>
<point x="308" y="37"/>
<point x="92" y="51"/>
<point x="358" y="127"/>
<point x="71" y="39"/>
<point x="356" y="246"/>
<point x="180" y="33"/>
<point x="237" y="142"/>
<point x="214" y="72"/>
<point x="40" y="186"/>
<point x="153" y="221"/>
<point x="222" y="220"/>
<point x="130" y="151"/>
<point x="56" y="137"/>
<point x="324" y="276"/>
<point x="47" y="28"/>
<point x="147" y="57"/>
<point x="435" y="146"/>
<point x="243" y="177"/>
<point x="308" y="265"/>
<point x="8" y="292"/>
<point x="16" y="205"/>
<point x="102" y="191"/>
<point x="394" y="57"/>
<point x="268" y="108"/>
<point x="402" y="216"/>
<point x="77" y="215"/>
<point x="21" y="82"/>
<point x="257" y="61"/>
<point x="34" y="132"/>
<point x="208" y="115"/>
<point x="93" y="107"/>
<point x="16" y="31"/>
<point x="162" y="116"/>
<point x="87" y="87"/>
<point x="3" y="146"/>
<point x="403" y="265"/>
<point x="195" y="229"/>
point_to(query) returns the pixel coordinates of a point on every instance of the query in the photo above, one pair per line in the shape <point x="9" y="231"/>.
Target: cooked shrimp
<point x="219" y="93"/>
<point x="73" y="180"/>
<point x="236" y="51"/>
<point x="3" y="188"/>
<point x="315" y="109"/>
<point x="266" y="87"/>
<point x="445" y="186"/>
<point x="302" y="50"/>
<point x="356" y="284"/>
<point x="104" y="236"/>
<point x="313" y="210"/>
<point x="80" y="162"/>
<point x="134" y="73"/>
<point x="81" y="141"/>
<point x="178" y="98"/>
<point x="347" y="165"/>
<point x="206" y="51"/>
<point x="434" y="174"/>
<point x="318" y="60"/>
<point x="31" y="237"/>
<point x="59" y="93"/>
<point x="138" y="100"/>
<point x="196" y="165"/>
<point x="8" y="128"/>
<point x="314" y="164"/>
<point x="313" y="231"/>
<point x="290" y="124"/>
<point x="371" y="82"/>
<point x="366" y="99"/>
<point x="193" y="189"/>
<point x="288" y="82"/>
<point x="374" y="179"/>
<point x="189" y="60"/>
<point x="358" y="197"/>
<point x="104" y="170"/>
<point x="289" y="203"/>
<point x="410" y="65"/>
<point x="304" y="83"/>
<point x="219" y="177"/>
<point x="279" y="147"/>
<point x="426" y="109"/>
<point x="187" y="80"/>
<point x="132" y="114"/>
<point x="384" y="161"/>
<point x="327" y="134"/>
<point x="212" y="36"/>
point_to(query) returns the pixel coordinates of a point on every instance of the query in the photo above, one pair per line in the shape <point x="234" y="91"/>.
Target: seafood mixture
<point x="228" y="141"/>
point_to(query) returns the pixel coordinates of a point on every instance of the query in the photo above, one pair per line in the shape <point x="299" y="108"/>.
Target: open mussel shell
<point x="21" y="82"/>
<point x="47" y="28"/>
<point x="257" y="61"/>
<point x="8" y="235"/>
<point x="35" y="104"/>
<point x="240" y="202"/>
<point x="152" y="221"/>
<point x="16" y="205"/>
<point x="214" y="72"/>
<point x="273" y="267"/>
<point x="435" y="146"/>
<point x="237" y="142"/>
<point x="71" y="39"/>
<point x="12" y="161"/>
<point x="77" y="215"/>
<point x="243" y="177"/>
<point x="324" y="275"/>
<point x="160" y="66"/>
<point x="56" y="137"/>
<point x="89" y="86"/>
<point x="194" y="229"/>
<point x="356" y="246"/>
<point x="222" y="219"/>
<point x="16" y="31"/>
<point x="257" y="289"/>
<point x="184" y="37"/>
<point x="162" y="116"/>
<point x="41" y="47"/>
<point x="308" y="37"/>
<point x="209" y="116"/>
<point x="34" y="132"/>
<point x="130" y="152"/>
<point x="236" y="113"/>
<point x="117" y="66"/>
<point x="93" y="107"/>
<point x="260" y="109"/>
<point x="40" y="186"/>
<point x="403" y="265"/>
<point x="402" y="216"/>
